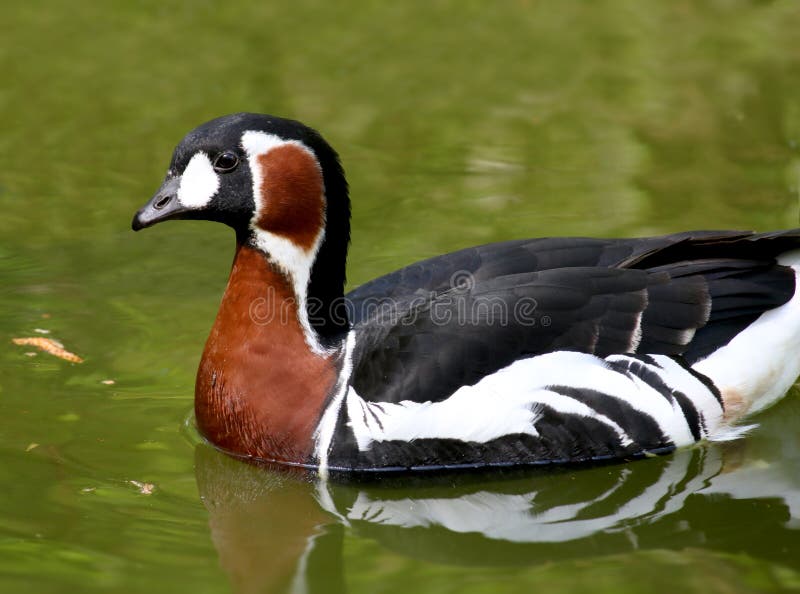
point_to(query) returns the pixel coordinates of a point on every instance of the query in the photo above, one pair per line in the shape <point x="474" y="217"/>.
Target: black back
<point x="425" y="330"/>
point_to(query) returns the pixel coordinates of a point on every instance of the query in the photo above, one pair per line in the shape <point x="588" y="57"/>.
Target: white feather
<point x="470" y="414"/>
<point x="636" y="339"/>
<point x="762" y="362"/>
<point x="677" y="378"/>
<point x="199" y="182"/>
<point x="505" y="402"/>
<point x="323" y="436"/>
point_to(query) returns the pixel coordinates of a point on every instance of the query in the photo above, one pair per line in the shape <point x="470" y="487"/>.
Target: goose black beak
<point x="163" y="206"/>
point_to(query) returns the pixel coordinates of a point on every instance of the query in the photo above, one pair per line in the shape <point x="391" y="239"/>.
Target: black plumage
<point x="685" y="295"/>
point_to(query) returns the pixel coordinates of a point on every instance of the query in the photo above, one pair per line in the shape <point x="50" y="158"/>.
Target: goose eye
<point x="226" y="162"/>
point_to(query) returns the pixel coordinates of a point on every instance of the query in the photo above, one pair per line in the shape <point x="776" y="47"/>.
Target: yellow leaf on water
<point x="48" y="345"/>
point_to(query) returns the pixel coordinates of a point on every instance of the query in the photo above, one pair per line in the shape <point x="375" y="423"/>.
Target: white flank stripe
<point x="506" y="402"/>
<point x="327" y="425"/>
<point x="199" y="182"/>
<point x="763" y="361"/>
<point x="570" y="406"/>
<point x="472" y="413"/>
<point x="293" y="260"/>
<point x="677" y="378"/>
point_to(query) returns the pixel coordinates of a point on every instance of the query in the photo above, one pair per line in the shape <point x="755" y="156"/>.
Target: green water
<point x="459" y="122"/>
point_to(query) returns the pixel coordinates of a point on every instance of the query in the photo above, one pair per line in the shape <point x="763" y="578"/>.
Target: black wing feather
<point x="685" y="294"/>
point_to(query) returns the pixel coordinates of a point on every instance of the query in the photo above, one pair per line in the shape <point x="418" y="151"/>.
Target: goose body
<point x="526" y="352"/>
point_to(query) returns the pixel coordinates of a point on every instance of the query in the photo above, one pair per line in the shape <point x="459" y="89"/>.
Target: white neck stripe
<point x="291" y="259"/>
<point x="323" y="436"/>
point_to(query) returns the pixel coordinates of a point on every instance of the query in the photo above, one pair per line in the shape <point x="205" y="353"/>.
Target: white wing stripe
<point x="509" y="402"/>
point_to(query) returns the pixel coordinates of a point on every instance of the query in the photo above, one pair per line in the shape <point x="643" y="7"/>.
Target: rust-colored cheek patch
<point x="292" y="195"/>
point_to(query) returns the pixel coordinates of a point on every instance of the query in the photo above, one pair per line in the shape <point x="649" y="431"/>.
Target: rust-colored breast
<point x="292" y="195"/>
<point x="260" y="390"/>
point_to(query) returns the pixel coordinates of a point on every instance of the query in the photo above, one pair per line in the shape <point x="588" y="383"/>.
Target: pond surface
<point x="459" y="123"/>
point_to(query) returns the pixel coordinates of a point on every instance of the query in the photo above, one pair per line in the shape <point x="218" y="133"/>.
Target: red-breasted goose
<point x="526" y="352"/>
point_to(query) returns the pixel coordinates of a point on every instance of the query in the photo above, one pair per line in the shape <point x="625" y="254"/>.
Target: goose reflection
<point x="543" y="508"/>
<point x="279" y="532"/>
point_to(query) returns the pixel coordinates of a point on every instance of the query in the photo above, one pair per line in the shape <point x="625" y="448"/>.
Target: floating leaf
<point x="48" y="345"/>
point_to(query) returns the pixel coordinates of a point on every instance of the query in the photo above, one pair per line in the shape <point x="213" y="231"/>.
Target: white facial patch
<point x="199" y="182"/>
